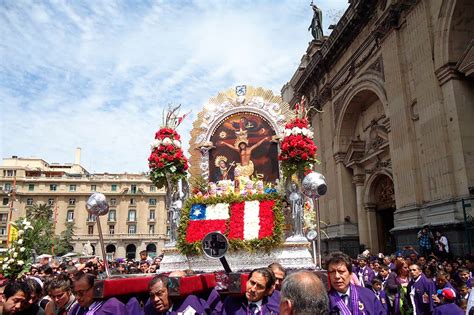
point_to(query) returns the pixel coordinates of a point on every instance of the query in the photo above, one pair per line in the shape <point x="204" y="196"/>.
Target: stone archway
<point x="131" y="251"/>
<point x="151" y="249"/>
<point x="363" y="140"/>
<point x="380" y="206"/>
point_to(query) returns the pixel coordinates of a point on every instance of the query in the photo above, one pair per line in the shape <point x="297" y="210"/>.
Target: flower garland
<point x="251" y="236"/>
<point x="167" y="162"/>
<point x="17" y="259"/>
<point x="298" y="151"/>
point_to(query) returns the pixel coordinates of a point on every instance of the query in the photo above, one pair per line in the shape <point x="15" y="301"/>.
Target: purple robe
<point x="111" y="306"/>
<point x="238" y="305"/>
<point x="367" y="276"/>
<point x="368" y="302"/>
<point x="450" y="308"/>
<point x="423" y="303"/>
<point x="199" y="305"/>
<point x="133" y="307"/>
<point x="274" y="300"/>
<point x="214" y="301"/>
<point x="382" y="297"/>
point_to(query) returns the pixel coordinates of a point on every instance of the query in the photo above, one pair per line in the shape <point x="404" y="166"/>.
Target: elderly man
<point x="161" y="303"/>
<point x="86" y="304"/>
<point x="303" y="293"/>
<point x="344" y="297"/>
<point x="420" y="290"/>
<point x="255" y="301"/>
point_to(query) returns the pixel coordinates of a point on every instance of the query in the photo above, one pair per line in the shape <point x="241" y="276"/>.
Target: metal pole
<point x="104" y="255"/>
<point x="315" y="259"/>
<point x="318" y="228"/>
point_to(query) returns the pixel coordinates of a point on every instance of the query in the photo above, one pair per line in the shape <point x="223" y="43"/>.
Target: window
<point x="133" y="189"/>
<point x="132" y="215"/>
<point x="152" y="188"/>
<point x="53" y="187"/>
<point x="90" y="218"/>
<point x="70" y="215"/>
<point x="31" y="187"/>
<point x="3" y="230"/>
<point x="5" y="201"/>
<point x="29" y="201"/>
<point x="111" y="229"/>
<point x="72" y="201"/>
<point x="113" y="201"/>
<point x="8" y="187"/>
<point x="72" y="187"/>
<point x="112" y="216"/>
<point x="152" y="215"/>
<point x="3" y="217"/>
<point x="11" y="173"/>
<point x="93" y="187"/>
<point x="152" y="202"/>
<point x="50" y="201"/>
<point x="132" y="229"/>
<point x="132" y="201"/>
<point x="114" y="187"/>
<point x="90" y="230"/>
<point x="151" y="229"/>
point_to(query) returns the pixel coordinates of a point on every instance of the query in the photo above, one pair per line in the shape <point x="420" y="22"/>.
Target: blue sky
<point x="97" y="74"/>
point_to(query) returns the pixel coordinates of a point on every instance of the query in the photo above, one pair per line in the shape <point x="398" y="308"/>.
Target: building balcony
<point x="131" y="220"/>
<point x="121" y="236"/>
<point x="151" y="220"/>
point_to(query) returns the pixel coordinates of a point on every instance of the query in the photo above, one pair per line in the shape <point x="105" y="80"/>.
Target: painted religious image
<point x="243" y="146"/>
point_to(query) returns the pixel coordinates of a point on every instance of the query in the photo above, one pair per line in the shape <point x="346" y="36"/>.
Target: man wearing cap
<point x="448" y="306"/>
<point x="255" y="301"/>
<point x="344" y="297"/>
<point x="365" y="274"/>
<point x="420" y="290"/>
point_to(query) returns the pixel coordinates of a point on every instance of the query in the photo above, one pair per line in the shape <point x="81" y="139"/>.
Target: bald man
<point x="303" y="293"/>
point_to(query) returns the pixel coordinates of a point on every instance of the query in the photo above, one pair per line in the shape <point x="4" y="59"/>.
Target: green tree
<point x="64" y="243"/>
<point x="41" y="216"/>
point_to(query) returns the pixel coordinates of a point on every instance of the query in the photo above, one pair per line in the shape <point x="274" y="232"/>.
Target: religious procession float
<point x="246" y="197"/>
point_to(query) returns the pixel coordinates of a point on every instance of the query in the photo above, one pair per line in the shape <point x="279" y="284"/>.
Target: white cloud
<point x="98" y="74"/>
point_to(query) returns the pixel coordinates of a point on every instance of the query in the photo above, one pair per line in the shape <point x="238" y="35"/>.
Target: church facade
<point x="391" y="92"/>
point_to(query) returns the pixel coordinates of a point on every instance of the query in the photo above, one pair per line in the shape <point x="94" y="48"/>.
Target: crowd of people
<point x="404" y="283"/>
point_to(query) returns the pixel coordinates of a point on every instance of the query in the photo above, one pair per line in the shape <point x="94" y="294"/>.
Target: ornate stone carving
<point x="387" y="164"/>
<point x="377" y="67"/>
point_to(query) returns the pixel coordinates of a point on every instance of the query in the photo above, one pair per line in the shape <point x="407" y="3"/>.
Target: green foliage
<point x="265" y="244"/>
<point x="64" y="244"/>
<point x="198" y="184"/>
<point x="41" y="216"/>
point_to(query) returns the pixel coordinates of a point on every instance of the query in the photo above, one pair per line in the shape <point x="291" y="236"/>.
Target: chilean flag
<point x="245" y="220"/>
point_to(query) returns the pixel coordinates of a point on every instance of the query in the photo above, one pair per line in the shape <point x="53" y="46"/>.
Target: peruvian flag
<point x="245" y="220"/>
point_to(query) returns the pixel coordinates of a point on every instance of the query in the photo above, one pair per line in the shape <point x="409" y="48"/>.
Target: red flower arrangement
<point x="298" y="151"/>
<point x="167" y="162"/>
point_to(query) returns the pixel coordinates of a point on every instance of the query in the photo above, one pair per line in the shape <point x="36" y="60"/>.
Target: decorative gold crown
<point x="241" y="138"/>
<point x="218" y="159"/>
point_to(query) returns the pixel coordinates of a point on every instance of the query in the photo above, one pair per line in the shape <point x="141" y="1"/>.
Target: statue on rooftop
<point x="316" y="25"/>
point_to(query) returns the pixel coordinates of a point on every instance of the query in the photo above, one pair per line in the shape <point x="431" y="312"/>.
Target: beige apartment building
<point x="137" y="219"/>
<point x="392" y="98"/>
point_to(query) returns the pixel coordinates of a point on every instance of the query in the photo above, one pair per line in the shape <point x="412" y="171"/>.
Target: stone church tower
<point x="392" y="96"/>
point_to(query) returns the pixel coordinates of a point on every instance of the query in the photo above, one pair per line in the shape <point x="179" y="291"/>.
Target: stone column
<point x="359" y="180"/>
<point x="372" y="227"/>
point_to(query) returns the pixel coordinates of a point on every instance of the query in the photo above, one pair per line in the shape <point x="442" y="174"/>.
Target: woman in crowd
<point x="60" y="292"/>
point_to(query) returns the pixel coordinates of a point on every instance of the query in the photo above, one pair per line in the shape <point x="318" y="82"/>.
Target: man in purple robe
<point x="365" y="274"/>
<point x="86" y="304"/>
<point x="344" y="297"/>
<point x="420" y="290"/>
<point x="255" y="301"/>
<point x="161" y="303"/>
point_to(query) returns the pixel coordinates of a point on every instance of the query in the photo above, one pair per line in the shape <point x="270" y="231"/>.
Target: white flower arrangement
<point x="296" y="131"/>
<point x="252" y="220"/>
<point x="16" y="259"/>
